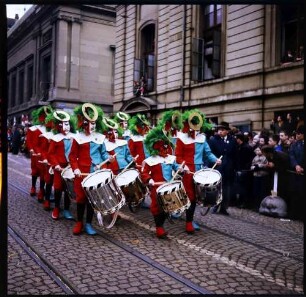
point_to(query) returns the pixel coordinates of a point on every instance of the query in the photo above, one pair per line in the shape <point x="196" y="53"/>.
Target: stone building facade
<point x="62" y="55"/>
<point x="230" y="61"/>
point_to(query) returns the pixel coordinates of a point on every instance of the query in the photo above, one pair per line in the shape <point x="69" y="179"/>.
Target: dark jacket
<point x="296" y="154"/>
<point x="228" y="151"/>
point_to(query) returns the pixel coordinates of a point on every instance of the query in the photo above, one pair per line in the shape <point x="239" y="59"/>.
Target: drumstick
<point x="182" y="165"/>
<point x="159" y="183"/>
<point x="104" y="162"/>
<point x="126" y="167"/>
<point x="43" y="162"/>
<point x="35" y="155"/>
<point x="216" y="163"/>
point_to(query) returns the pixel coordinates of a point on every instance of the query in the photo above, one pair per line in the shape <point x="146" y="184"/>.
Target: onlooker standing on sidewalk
<point x="297" y="164"/>
<point x="274" y="142"/>
<point x="243" y="177"/>
<point x="261" y="179"/>
<point x="284" y="142"/>
<point x="16" y="141"/>
<point x="224" y="144"/>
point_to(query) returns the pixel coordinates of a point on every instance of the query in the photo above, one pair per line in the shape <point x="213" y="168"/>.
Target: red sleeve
<point x="44" y="148"/>
<point x="73" y="156"/>
<point x="132" y="148"/>
<point x="179" y="149"/>
<point x="29" y="140"/>
<point x="52" y="154"/>
<point x="145" y="173"/>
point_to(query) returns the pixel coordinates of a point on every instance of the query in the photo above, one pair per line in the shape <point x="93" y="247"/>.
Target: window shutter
<point x="137" y="69"/>
<point x="197" y="59"/>
<point x="216" y="53"/>
<point x="150" y="72"/>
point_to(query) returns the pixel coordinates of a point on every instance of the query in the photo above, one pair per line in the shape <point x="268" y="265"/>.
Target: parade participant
<point x="171" y="123"/>
<point x="45" y="139"/>
<point x="122" y="119"/>
<point x="139" y="127"/>
<point x="115" y="146"/>
<point x="193" y="149"/>
<point x="59" y="149"/>
<point x="33" y="145"/>
<point x="224" y="144"/>
<point x="158" y="169"/>
<point x="87" y="153"/>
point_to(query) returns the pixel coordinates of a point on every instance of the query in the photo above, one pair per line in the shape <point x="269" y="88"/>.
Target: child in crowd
<point x="261" y="180"/>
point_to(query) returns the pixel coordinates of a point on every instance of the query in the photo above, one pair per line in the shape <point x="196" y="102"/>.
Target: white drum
<point x="68" y="177"/>
<point x="208" y="184"/>
<point x="103" y="192"/>
<point x="172" y="198"/>
<point x="131" y="185"/>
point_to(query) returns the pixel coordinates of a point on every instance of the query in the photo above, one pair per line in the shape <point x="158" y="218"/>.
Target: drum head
<point x="169" y="187"/>
<point x="96" y="178"/>
<point x="207" y="177"/>
<point x="127" y="177"/>
<point x="68" y="173"/>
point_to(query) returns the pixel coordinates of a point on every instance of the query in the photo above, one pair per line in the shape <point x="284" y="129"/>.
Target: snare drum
<point x="103" y="192"/>
<point x="68" y="177"/>
<point x="172" y="197"/>
<point x="132" y="187"/>
<point x="208" y="184"/>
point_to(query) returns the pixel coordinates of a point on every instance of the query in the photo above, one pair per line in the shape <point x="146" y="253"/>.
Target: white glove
<point x="77" y="172"/>
<point x="186" y="168"/>
<point x="45" y="161"/>
<point x="58" y="168"/>
<point x="151" y="182"/>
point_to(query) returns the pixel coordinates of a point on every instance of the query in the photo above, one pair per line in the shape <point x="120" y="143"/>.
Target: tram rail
<point x="141" y="223"/>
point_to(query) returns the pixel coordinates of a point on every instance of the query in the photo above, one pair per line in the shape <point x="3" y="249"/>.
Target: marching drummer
<point x="88" y="151"/>
<point x="33" y="144"/>
<point x="139" y="127"/>
<point x="193" y="149"/>
<point x="60" y="146"/>
<point x="171" y="123"/>
<point x="45" y="139"/>
<point x="123" y="130"/>
<point x="118" y="148"/>
<point x="157" y="169"/>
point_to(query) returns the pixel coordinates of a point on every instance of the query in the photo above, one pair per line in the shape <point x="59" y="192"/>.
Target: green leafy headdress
<point x="156" y="142"/>
<point x="171" y="122"/>
<point x="139" y="124"/>
<point x="39" y="115"/>
<point x="195" y="119"/>
<point x="56" y="118"/>
<point x="88" y="112"/>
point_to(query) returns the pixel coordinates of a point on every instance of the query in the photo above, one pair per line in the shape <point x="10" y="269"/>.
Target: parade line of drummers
<point x="104" y="163"/>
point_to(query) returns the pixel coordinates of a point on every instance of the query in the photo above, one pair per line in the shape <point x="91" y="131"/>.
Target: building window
<point x="45" y="76"/>
<point x="30" y="83"/>
<point x="47" y="37"/>
<point x="144" y="68"/>
<point x="21" y="87"/>
<point x="13" y="92"/>
<point x="206" y="50"/>
<point x="292" y="33"/>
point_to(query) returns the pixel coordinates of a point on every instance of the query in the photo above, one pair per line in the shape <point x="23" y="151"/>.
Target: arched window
<point x="144" y="68"/>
